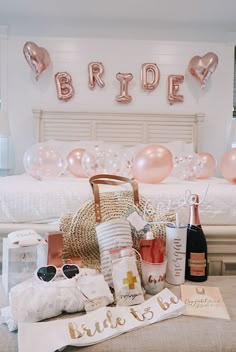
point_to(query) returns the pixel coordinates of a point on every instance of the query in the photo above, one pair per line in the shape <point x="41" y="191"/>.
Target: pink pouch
<point x="126" y="280"/>
<point x="152" y="250"/>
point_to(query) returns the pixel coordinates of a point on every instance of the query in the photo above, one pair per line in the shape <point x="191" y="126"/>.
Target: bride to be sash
<point x="97" y="326"/>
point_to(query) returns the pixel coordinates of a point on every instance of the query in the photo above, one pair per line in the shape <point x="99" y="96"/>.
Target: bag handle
<point x="107" y="179"/>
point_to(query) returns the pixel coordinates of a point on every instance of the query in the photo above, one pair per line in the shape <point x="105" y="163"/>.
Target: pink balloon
<point x="38" y="58"/>
<point x="228" y="165"/>
<point x="202" y="67"/>
<point x="152" y="164"/>
<point x="74" y="162"/>
<point x="208" y="165"/>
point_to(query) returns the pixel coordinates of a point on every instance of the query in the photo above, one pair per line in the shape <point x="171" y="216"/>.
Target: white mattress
<point x="24" y="199"/>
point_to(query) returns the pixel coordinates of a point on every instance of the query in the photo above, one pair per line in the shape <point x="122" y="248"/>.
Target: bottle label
<point x="197" y="264"/>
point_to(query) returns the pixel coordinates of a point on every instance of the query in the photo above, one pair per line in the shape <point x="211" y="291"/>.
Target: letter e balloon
<point x="173" y="88"/>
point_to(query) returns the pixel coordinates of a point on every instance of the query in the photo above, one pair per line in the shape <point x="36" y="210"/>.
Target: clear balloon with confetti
<point x="107" y="158"/>
<point x="187" y="166"/>
<point x="42" y="161"/>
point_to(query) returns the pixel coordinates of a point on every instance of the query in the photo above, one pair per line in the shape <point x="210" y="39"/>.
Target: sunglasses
<point x="49" y="272"/>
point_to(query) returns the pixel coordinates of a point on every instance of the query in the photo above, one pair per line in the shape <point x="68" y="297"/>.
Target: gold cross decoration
<point x="130" y="280"/>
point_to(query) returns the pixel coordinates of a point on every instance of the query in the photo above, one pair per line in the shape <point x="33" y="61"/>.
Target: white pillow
<point x="188" y="148"/>
<point x="179" y="147"/>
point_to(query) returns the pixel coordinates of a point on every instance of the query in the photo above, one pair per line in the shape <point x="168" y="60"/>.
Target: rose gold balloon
<point x="208" y="165"/>
<point x="65" y="89"/>
<point x="152" y="164"/>
<point x="228" y="165"/>
<point x="203" y="67"/>
<point x="124" y="79"/>
<point x="95" y="70"/>
<point x="74" y="162"/>
<point x="147" y="70"/>
<point x="173" y="88"/>
<point x="37" y="58"/>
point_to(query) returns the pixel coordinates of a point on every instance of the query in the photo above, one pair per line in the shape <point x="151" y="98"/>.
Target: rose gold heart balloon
<point x="203" y="67"/>
<point x="37" y="58"/>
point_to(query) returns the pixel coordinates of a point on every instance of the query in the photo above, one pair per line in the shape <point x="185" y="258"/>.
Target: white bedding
<point x="26" y="200"/>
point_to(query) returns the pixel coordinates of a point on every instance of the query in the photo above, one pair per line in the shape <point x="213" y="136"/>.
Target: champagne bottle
<point x="196" y="252"/>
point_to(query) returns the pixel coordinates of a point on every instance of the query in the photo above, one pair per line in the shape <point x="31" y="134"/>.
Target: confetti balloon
<point x="187" y="167"/>
<point x="107" y="159"/>
<point x="41" y="161"/>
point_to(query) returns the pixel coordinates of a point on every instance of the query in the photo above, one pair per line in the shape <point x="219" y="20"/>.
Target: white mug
<point x="153" y="276"/>
<point x="176" y="238"/>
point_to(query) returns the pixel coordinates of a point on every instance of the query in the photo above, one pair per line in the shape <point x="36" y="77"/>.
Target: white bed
<point x="26" y="200"/>
<point x="28" y="203"/>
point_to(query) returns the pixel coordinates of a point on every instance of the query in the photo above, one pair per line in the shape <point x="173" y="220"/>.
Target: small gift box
<point x="20" y="261"/>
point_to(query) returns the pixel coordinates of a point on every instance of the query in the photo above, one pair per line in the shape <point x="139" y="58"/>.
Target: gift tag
<point x="95" y="303"/>
<point x="138" y="226"/>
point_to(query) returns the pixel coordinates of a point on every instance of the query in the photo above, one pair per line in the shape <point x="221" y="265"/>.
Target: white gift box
<point x="19" y="263"/>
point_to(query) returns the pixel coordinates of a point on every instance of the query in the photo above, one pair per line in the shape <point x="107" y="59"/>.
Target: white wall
<point x="119" y="55"/>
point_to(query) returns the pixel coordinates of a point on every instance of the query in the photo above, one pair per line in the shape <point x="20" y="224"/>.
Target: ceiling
<point x="217" y="13"/>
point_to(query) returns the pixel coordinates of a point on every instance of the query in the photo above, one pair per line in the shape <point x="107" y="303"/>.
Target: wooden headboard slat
<point x="124" y="128"/>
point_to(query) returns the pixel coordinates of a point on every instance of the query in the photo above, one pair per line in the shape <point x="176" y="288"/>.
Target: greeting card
<point x="203" y="301"/>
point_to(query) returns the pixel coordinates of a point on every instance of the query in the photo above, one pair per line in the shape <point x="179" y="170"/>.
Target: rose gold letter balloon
<point x="74" y="159"/>
<point x="95" y="70"/>
<point x="124" y="79"/>
<point x="228" y="165"/>
<point x="202" y="67"/>
<point x="37" y="58"/>
<point x="173" y="88"/>
<point x="208" y="165"/>
<point x="65" y="89"/>
<point x="147" y="70"/>
<point x="152" y="164"/>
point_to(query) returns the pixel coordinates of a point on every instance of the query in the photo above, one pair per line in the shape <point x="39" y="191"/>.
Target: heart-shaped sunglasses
<point x="49" y="272"/>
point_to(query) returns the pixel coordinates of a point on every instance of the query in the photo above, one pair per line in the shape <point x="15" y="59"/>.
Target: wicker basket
<point x="79" y="229"/>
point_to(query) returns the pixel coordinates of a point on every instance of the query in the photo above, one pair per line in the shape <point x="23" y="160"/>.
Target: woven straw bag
<point x="79" y="229"/>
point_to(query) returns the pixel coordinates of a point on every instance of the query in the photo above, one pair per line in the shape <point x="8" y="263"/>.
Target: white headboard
<point x="124" y="128"/>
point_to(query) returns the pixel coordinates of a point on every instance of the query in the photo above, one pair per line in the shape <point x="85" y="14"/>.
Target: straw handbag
<point x="79" y="229"/>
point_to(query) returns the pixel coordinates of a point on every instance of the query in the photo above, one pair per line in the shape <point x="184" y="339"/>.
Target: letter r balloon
<point x="95" y="70"/>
